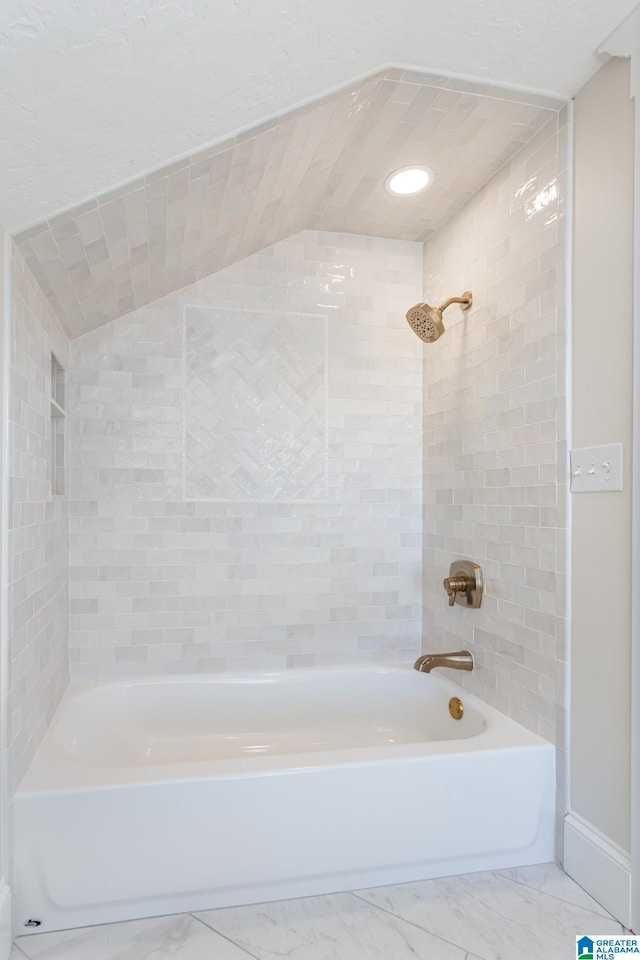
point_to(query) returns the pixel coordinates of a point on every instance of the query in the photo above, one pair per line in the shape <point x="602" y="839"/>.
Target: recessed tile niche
<point x="255" y="405"/>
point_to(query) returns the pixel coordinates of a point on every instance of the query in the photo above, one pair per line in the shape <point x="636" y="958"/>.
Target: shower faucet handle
<point x="456" y="585"/>
<point x="464" y="584"/>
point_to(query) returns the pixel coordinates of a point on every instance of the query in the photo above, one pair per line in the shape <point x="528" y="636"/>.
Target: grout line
<point x="502" y="876"/>
<point x="412" y="923"/>
<point x="511" y="159"/>
<point x="15" y="947"/>
<point x="605" y="915"/>
<point x="228" y="939"/>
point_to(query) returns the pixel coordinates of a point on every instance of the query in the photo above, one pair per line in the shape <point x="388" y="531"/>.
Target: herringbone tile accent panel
<point x="255" y="405"/>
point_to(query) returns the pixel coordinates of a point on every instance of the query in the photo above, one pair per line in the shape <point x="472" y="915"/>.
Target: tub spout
<point x="460" y="660"/>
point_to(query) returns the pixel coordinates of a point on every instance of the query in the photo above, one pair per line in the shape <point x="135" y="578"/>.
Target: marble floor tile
<point x="337" y="927"/>
<point x="551" y="878"/>
<point x="160" y="938"/>
<point x="492" y="916"/>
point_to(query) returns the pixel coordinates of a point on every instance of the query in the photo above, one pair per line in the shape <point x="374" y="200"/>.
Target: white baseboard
<point x="5" y="922"/>
<point x="600" y="866"/>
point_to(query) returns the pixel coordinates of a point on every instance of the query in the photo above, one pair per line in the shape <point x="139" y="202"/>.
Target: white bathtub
<point x="171" y="795"/>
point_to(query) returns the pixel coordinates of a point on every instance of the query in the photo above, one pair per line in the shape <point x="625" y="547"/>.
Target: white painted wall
<point x="598" y="825"/>
<point x="5" y="896"/>
<point x="602" y="411"/>
<point x="4" y="285"/>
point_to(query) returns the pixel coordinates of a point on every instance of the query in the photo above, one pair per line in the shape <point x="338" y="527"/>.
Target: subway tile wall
<point x="38" y="534"/>
<point x="250" y="574"/>
<point x="494" y="436"/>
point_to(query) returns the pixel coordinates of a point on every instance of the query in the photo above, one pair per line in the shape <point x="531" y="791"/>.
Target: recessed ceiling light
<point x="408" y="180"/>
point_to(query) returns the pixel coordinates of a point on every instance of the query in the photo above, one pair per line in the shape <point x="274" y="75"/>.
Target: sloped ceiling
<point x="95" y="92"/>
<point x="319" y="167"/>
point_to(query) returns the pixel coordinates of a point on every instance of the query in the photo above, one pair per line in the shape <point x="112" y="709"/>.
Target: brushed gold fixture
<point x="460" y="660"/>
<point x="426" y="321"/>
<point x="464" y="584"/>
<point x="456" y="708"/>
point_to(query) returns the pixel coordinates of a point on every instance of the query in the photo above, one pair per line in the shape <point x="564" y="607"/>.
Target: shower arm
<point x="464" y="300"/>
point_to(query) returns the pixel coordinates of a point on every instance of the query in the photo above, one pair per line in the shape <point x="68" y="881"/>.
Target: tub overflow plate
<point x="456" y="708"/>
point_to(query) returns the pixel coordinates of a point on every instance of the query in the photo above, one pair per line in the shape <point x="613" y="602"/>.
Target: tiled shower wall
<point x="494" y="435"/>
<point x="246" y="468"/>
<point x="39" y="535"/>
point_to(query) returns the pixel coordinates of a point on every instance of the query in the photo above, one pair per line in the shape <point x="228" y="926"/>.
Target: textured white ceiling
<point x="95" y="92"/>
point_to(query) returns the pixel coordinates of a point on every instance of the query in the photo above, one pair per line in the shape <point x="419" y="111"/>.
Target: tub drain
<point x="456" y="708"/>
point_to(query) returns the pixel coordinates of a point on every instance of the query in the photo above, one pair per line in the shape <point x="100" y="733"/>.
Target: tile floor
<point x="521" y="913"/>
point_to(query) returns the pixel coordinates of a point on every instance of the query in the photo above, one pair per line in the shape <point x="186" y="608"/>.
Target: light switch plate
<point x="597" y="469"/>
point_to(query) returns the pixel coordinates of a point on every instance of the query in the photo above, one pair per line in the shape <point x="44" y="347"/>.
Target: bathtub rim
<point x="54" y="769"/>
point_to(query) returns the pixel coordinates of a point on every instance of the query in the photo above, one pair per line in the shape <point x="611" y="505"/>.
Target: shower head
<point x="426" y="321"/>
